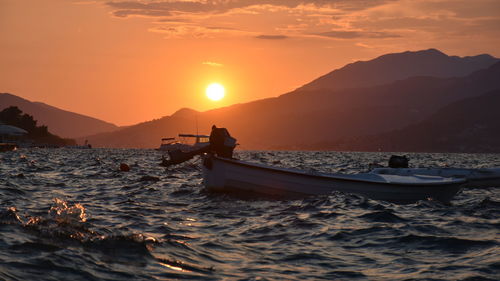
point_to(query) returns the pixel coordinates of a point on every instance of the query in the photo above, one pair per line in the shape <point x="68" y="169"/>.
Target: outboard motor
<point x="397" y="161"/>
<point x="221" y="142"/>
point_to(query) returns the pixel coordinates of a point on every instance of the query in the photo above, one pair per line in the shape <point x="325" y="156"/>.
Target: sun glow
<point x="215" y="91"/>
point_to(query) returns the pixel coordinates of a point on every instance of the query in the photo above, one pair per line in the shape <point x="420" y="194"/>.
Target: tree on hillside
<point x="15" y="117"/>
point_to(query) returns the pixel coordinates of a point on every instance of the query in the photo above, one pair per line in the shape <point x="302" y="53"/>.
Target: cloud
<point x="355" y="20"/>
<point x="210" y="18"/>
<point x="169" y="7"/>
<point x="153" y="9"/>
<point x="429" y="20"/>
<point x="220" y="28"/>
<point x="213" y="64"/>
<point x="463" y="8"/>
<point x="179" y="31"/>
<point x="193" y="30"/>
<point x="359" y="44"/>
<point x="83" y="2"/>
<point x="143" y="13"/>
<point x="271" y="37"/>
<point x="340" y="34"/>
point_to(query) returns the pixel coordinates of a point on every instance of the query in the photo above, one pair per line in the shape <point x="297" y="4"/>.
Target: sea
<point x="73" y="214"/>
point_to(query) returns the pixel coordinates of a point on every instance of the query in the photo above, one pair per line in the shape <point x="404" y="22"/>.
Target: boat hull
<point x="476" y="178"/>
<point x="181" y="147"/>
<point x="229" y="175"/>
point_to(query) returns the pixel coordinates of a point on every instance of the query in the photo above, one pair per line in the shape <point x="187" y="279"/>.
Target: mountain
<point x="34" y="134"/>
<point x="60" y="122"/>
<point x="392" y="67"/>
<point x="148" y="134"/>
<point x="297" y="119"/>
<point x="303" y="117"/>
<point x="468" y="125"/>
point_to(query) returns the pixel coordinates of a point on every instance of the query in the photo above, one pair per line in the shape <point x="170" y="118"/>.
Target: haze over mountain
<point x="149" y="134"/>
<point x="468" y="125"/>
<point x="398" y="66"/>
<point x="300" y="118"/>
<point x="308" y="116"/>
<point x="60" y="122"/>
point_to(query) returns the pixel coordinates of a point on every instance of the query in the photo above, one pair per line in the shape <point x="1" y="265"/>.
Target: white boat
<point x="231" y="175"/>
<point x="479" y="178"/>
<point x="186" y="143"/>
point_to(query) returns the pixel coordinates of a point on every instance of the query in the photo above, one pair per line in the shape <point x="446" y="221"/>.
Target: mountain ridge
<point x="61" y="122"/>
<point x="378" y="71"/>
<point x="447" y="130"/>
<point x="305" y="116"/>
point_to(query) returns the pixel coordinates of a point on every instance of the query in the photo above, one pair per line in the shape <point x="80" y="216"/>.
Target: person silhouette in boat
<point x="221" y="142"/>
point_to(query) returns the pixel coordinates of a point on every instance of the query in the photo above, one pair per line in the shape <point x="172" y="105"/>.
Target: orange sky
<point x="131" y="61"/>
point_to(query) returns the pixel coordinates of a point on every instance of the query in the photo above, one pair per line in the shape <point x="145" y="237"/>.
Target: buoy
<point x="124" y="167"/>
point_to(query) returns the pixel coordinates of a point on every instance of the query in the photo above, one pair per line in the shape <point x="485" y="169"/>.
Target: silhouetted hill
<point x="303" y="117"/>
<point x="148" y="134"/>
<point x="38" y="136"/>
<point x="468" y="125"/>
<point x="391" y="67"/>
<point x="61" y="122"/>
<point x="300" y="118"/>
<point x="186" y="113"/>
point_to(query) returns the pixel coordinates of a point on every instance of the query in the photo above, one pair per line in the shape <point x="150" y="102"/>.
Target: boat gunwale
<point x="485" y="173"/>
<point x="320" y="175"/>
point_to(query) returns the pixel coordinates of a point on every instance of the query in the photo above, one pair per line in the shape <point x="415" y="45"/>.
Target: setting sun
<point x="215" y="91"/>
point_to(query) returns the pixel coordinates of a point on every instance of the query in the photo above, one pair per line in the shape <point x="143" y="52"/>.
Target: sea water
<point x="69" y="214"/>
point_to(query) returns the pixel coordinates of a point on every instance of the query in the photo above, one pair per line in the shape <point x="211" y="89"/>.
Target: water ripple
<point x="72" y="214"/>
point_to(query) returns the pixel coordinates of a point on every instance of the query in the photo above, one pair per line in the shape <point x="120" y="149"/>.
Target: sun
<point x="215" y="91"/>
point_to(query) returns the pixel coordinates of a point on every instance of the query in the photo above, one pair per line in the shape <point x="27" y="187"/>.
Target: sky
<point x="132" y="61"/>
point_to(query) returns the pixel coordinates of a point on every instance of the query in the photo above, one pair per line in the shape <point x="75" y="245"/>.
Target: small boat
<point x="476" y="178"/>
<point x="87" y="145"/>
<point x="187" y="142"/>
<point x="221" y="172"/>
<point x="231" y="175"/>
